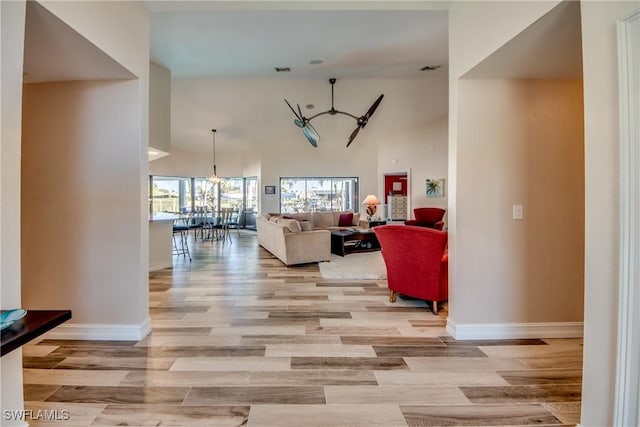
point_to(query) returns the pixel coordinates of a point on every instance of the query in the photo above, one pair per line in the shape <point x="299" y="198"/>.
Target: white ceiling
<point x="196" y="41"/>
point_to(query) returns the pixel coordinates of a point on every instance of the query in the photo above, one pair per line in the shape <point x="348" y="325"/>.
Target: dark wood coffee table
<point x="344" y="242"/>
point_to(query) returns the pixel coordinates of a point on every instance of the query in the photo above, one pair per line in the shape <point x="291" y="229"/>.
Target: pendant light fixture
<point x="215" y="179"/>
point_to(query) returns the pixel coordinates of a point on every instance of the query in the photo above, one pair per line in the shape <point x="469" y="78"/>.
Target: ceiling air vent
<point x="430" y="67"/>
<point x="283" y="69"/>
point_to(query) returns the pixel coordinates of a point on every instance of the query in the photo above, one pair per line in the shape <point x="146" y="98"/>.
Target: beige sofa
<point x="300" y="238"/>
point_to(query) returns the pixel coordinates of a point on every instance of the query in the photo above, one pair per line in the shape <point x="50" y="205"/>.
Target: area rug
<point x="367" y="265"/>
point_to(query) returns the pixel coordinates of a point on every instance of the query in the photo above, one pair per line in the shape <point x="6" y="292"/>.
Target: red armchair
<point x="427" y="217"/>
<point x="417" y="262"/>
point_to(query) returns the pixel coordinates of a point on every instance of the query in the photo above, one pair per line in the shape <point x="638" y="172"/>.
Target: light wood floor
<point x="239" y="339"/>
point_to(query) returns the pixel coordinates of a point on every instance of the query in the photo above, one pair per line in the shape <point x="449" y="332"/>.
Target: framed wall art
<point x="435" y="187"/>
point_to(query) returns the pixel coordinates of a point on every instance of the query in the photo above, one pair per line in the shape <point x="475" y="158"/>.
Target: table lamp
<point x="372" y="203"/>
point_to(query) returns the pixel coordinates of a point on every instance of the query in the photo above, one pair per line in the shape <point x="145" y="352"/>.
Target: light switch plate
<point x="518" y="212"/>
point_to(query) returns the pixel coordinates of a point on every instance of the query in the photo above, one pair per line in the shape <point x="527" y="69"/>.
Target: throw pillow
<point x="346" y="220"/>
<point x="294" y="226"/>
<point x="291" y="224"/>
<point x="322" y="219"/>
<point x="306" y="225"/>
<point x="356" y="218"/>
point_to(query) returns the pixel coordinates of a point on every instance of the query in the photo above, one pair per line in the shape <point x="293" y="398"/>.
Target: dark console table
<point x="344" y="242"/>
<point x="376" y="223"/>
<point x="32" y="325"/>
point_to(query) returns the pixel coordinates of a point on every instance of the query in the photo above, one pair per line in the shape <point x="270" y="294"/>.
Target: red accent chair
<point x="417" y="262"/>
<point x="427" y="217"/>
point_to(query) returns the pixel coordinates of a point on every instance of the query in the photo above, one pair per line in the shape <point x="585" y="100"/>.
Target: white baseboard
<point x="484" y="331"/>
<point x="100" y="332"/>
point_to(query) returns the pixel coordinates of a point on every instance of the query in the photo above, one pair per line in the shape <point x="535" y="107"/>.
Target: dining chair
<point x="197" y="222"/>
<point x="222" y="225"/>
<point x="234" y="221"/>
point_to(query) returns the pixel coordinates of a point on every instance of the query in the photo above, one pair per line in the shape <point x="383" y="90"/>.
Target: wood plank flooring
<point x="239" y="339"/>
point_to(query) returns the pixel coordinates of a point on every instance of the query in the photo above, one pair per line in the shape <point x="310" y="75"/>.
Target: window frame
<point x="353" y="197"/>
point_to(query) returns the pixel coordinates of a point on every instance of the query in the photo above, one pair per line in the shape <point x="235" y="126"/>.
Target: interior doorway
<point x="396" y="196"/>
<point x="395" y="184"/>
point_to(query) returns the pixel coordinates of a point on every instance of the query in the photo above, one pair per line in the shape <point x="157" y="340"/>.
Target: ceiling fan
<point x="312" y="135"/>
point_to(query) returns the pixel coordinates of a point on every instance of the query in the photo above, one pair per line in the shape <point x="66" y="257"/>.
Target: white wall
<point x="601" y="206"/>
<point x="476" y="29"/>
<point x="475" y="32"/>
<point x="81" y="241"/>
<point x="159" y="107"/>
<point x="422" y="152"/>
<point x="181" y="162"/>
<point x="256" y="130"/>
<point x="121" y="30"/>
<point x="12" y="24"/>
<point x="512" y="143"/>
<point x="519" y="142"/>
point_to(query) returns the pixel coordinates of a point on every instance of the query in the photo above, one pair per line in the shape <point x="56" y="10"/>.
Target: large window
<point x="206" y="194"/>
<point x="183" y="194"/>
<point x="251" y="194"/>
<point x="170" y="194"/>
<point x="232" y="193"/>
<point x="302" y="194"/>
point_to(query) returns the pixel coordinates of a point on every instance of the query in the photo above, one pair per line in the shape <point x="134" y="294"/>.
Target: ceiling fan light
<point x="310" y="133"/>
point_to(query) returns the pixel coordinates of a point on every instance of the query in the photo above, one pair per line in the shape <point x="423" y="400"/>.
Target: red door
<point x="395" y="185"/>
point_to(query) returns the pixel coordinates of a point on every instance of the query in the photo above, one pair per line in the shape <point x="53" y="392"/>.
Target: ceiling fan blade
<point x="311" y="134"/>
<point x="372" y="109"/>
<point x="353" y="135"/>
<point x="294" y="111"/>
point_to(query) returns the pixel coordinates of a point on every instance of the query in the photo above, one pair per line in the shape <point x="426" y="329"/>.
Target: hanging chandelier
<point x="215" y="179"/>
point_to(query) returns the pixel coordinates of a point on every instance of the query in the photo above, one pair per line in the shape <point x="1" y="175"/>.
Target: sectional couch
<point x="304" y="237"/>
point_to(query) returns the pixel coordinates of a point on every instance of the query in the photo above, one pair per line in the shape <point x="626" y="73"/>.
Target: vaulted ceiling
<point x="203" y="39"/>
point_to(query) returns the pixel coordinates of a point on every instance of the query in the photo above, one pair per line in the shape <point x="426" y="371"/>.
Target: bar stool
<point x="180" y="233"/>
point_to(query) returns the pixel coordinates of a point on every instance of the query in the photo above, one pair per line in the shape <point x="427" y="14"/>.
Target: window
<point x="184" y="194"/>
<point x="232" y="193"/>
<point x="251" y="194"/>
<point x="318" y="194"/>
<point x="170" y="194"/>
<point x="206" y="194"/>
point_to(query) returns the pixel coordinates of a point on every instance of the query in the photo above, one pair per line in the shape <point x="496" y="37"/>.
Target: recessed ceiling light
<point x="283" y="69"/>
<point x="430" y="67"/>
<point x="315" y="61"/>
<point x="310" y="106"/>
